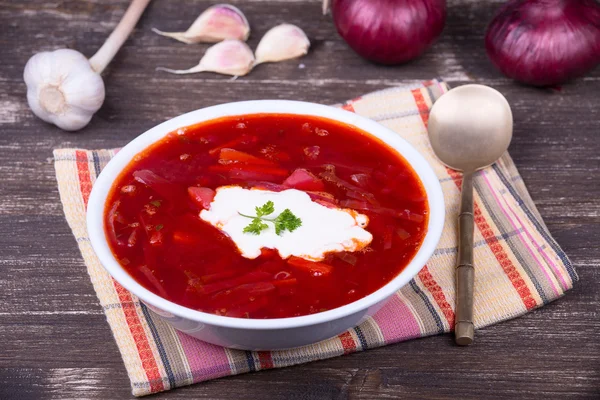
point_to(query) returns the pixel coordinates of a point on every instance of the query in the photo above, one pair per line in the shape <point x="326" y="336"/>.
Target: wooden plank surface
<point x="54" y="340"/>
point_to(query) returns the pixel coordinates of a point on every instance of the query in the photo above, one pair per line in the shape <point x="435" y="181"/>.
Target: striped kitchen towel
<point x="519" y="266"/>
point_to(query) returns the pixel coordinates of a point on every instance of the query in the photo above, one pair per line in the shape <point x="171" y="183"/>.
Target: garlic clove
<point x="216" y="23"/>
<point x="84" y="90"/>
<point x="230" y="57"/>
<point x="325" y="7"/>
<point x="63" y="89"/>
<point x="283" y="42"/>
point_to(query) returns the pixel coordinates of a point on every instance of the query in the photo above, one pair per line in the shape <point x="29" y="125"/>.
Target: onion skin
<point x="389" y="31"/>
<point x="545" y="42"/>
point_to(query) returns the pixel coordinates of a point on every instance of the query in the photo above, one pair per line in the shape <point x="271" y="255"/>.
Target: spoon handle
<point x="464" y="330"/>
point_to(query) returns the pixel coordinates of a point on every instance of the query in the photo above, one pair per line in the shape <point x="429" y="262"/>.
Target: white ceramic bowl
<point x="264" y="334"/>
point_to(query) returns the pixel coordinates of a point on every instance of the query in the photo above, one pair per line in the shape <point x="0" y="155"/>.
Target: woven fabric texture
<point x="519" y="266"/>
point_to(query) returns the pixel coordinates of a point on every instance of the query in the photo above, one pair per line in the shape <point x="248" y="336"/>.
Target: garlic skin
<point x="325" y="7"/>
<point x="229" y="57"/>
<point x="63" y="89"/>
<point x="216" y="23"/>
<point x="282" y="42"/>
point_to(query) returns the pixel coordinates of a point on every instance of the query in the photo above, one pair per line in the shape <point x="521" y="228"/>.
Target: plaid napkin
<point x="519" y="266"/>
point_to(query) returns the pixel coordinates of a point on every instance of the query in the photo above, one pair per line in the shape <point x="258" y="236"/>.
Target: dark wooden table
<point x="54" y="340"/>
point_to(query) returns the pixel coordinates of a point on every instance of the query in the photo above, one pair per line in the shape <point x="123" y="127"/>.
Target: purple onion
<point x="389" y="31"/>
<point x="545" y="42"/>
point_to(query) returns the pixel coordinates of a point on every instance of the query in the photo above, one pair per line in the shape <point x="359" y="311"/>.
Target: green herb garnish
<point x="267" y="209"/>
<point x="156" y="203"/>
<point x="159" y="227"/>
<point x="286" y="221"/>
<point x="255" y="227"/>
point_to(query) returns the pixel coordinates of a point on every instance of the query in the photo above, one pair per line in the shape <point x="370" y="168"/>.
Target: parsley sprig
<point x="286" y="221"/>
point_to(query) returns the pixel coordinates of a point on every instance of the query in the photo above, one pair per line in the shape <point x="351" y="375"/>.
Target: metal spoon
<point x="470" y="127"/>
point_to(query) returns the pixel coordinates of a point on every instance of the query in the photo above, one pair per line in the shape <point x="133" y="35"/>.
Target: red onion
<point x="389" y="31"/>
<point x="545" y="42"/>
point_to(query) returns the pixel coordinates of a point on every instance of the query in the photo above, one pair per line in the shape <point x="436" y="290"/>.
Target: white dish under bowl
<point x="264" y="334"/>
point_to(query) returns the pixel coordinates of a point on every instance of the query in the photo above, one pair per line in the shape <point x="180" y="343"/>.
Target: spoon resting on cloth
<point x="470" y="127"/>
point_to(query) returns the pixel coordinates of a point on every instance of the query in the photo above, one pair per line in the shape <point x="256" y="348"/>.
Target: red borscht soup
<point x="154" y="229"/>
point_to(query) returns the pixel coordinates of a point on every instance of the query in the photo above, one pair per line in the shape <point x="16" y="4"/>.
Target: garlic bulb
<point x="283" y="42"/>
<point x="64" y="87"/>
<point x="230" y="57"/>
<point x="216" y="23"/>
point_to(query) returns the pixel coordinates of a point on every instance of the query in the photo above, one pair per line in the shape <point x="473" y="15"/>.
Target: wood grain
<point x="54" y="341"/>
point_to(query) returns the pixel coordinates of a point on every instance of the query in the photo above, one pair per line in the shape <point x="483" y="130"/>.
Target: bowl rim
<point x="104" y="182"/>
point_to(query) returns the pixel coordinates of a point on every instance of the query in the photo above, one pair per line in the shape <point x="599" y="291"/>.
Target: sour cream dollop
<point x="323" y="230"/>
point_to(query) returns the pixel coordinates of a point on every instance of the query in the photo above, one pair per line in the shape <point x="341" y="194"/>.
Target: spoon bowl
<point x="470" y="127"/>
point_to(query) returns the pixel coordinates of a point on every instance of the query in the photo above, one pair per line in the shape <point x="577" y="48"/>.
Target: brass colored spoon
<point x="470" y="127"/>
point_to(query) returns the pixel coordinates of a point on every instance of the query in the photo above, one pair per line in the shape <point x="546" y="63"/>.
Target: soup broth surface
<point x="154" y="229"/>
